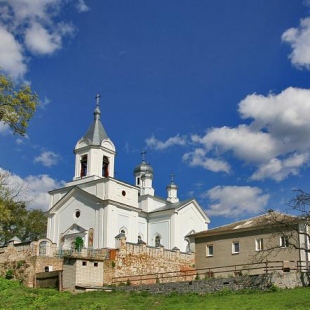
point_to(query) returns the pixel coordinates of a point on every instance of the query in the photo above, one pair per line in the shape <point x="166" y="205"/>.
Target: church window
<point x="139" y="239"/>
<point x="138" y="181"/>
<point x="124" y="193"/>
<point x="188" y="245"/>
<point x="123" y="230"/>
<point x="157" y="241"/>
<point x="43" y="248"/>
<point x="105" y="166"/>
<point x="77" y="213"/>
<point x="83" y="166"/>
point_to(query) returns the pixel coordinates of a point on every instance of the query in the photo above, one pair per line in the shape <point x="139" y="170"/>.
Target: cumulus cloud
<point x="47" y="159"/>
<point x="156" y="144"/>
<point x="278" y="169"/>
<point x="233" y="201"/>
<point x="33" y="189"/>
<point x="198" y="158"/>
<point x="41" y="41"/>
<point x="31" y="27"/>
<point x="12" y="59"/>
<point x="299" y="39"/>
<point x="276" y="141"/>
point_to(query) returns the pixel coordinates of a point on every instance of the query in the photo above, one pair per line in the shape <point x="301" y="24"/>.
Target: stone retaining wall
<point x="263" y="282"/>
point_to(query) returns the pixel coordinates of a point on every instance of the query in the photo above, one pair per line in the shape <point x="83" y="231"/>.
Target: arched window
<point x="123" y="230"/>
<point x="157" y="241"/>
<point x="139" y="239"/>
<point x="83" y="166"/>
<point x="105" y="166"/>
<point x="43" y="248"/>
<point x="188" y="245"/>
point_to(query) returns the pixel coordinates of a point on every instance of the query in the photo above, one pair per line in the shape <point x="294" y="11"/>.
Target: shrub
<point x="9" y="274"/>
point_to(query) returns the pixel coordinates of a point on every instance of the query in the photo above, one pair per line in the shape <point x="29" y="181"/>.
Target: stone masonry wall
<point x="22" y="262"/>
<point x="132" y="260"/>
<point x="262" y="282"/>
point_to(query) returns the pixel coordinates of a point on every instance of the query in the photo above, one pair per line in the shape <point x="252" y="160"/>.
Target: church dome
<point x="143" y="167"/>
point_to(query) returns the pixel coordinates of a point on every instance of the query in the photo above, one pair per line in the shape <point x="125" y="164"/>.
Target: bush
<point x="9" y="274"/>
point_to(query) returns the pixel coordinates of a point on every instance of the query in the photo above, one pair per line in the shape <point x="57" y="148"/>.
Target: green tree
<point x="17" y="104"/>
<point x="15" y="219"/>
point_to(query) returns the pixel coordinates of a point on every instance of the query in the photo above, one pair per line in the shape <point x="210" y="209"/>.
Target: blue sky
<point x="217" y="92"/>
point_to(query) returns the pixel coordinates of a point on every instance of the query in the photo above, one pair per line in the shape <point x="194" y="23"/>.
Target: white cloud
<point x="39" y="41"/>
<point x="278" y="170"/>
<point x="4" y="129"/>
<point x="156" y="144"/>
<point x="198" y="158"/>
<point x="11" y="55"/>
<point x="81" y="6"/>
<point x="299" y="39"/>
<point x="31" y="27"/>
<point x="34" y="189"/>
<point x="233" y="201"/>
<point x="245" y="143"/>
<point x="47" y="159"/>
<point x="276" y="142"/>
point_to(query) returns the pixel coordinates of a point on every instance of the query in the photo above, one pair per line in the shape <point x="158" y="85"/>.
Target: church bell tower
<point x="94" y="152"/>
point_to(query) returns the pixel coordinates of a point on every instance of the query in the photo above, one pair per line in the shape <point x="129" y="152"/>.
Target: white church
<point x="99" y="208"/>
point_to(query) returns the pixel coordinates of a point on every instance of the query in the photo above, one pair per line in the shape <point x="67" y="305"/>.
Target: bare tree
<point x="291" y="230"/>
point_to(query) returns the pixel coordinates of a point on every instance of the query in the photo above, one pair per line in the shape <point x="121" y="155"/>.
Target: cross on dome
<point x="143" y="153"/>
<point x="97" y="99"/>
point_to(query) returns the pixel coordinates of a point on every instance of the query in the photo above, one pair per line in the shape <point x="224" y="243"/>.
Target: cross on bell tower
<point x="98" y="96"/>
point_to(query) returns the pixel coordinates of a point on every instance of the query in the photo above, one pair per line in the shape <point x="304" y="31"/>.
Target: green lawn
<point x="15" y="296"/>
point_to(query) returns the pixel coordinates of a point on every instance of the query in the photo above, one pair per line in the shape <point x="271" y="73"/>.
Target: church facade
<point x="100" y="208"/>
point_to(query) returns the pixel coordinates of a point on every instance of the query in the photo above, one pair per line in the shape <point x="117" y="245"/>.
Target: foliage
<point x="9" y="274"/>
<point x="15" y="219"/>
<point x="79" y="242"/>
<point x="13" y="295"/>
<point x="17" y="105"/>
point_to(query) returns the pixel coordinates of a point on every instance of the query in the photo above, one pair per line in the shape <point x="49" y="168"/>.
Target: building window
<point x="84" y="263"/>
<point x="139" y="239"/>
<point x="138" y="181"/>
<point x="95" y="264"/>
<point x="77" y="213"/>
<point x="83" y="166"/>
<point x="105" y="166"/>
<point x="43" y="248"/>
<point x="210" y="250"/>
<point x="284" y="242"/>
<point x="235" y="247"/>
<point x="157" y="241"/>
<point x="259" y="245"/>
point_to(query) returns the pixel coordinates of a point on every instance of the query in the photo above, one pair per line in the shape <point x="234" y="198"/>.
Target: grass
<point x="15" y="296"/>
